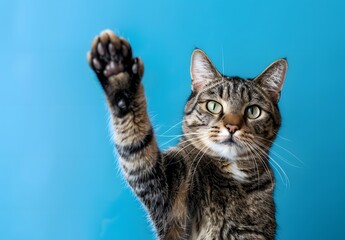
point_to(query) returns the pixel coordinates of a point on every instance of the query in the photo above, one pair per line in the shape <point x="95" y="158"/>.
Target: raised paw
<point x="111" y="59"/>
<point x="118" y="72"/>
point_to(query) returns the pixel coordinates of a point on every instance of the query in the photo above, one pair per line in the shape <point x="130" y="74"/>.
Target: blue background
<point x="59" y="178"/>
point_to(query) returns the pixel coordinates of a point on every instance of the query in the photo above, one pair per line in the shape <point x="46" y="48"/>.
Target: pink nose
<point x="232" y="128"/>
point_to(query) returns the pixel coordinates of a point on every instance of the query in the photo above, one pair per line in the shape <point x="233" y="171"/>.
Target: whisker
<point x="191" y="142"/>
<point x="178" y="136"/>
<point x="279" y="156"/>
<point x="212" y="85"/>
<point x="196" y="166"/>
<point x="175" y="125"/>
<point x="287" y="181"/>
<point x="281" y="147"/>
<point x="261" y="159"/>
<point x="281" y="137"/>
<point x="251" y="154"/>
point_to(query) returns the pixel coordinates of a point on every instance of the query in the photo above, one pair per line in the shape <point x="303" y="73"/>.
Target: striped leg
<point x="120" y="76"/>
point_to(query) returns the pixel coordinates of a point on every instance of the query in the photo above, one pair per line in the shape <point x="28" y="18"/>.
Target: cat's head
<point x="231" y="117"/>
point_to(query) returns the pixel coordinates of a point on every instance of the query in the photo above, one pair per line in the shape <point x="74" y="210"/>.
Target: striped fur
<point x="217" y="182"/>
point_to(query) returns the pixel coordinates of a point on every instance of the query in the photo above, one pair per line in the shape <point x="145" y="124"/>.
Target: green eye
<point x="253" y="112"/>
<point x="214" y="107"/>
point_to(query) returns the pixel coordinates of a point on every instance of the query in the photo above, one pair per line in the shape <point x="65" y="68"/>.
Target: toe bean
<point x="135" y="68"/>
<point x="121" y="104"/>
<point x="120" y="67"/>
<point x="96" y="64"/>
<point x="124" y="51"/>
<point x="128" y="47"/>
<point x="111" y="49"/>
<point x="100" y="49"/>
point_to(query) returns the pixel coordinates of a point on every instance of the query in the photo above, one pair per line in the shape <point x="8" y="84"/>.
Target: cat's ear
<point x="271" y="80"/>
<point x="202" y="70"/>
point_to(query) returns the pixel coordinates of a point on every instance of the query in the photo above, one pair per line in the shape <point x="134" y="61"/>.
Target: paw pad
<point x="111" y="55"/>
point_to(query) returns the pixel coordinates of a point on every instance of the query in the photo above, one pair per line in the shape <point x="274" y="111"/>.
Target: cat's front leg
<point x="120" y="76"/>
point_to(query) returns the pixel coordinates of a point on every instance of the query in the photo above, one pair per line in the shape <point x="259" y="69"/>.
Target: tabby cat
<point x="217" y="182"/>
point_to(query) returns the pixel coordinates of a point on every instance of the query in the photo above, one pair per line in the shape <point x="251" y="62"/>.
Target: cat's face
<point x="232" y="117"/>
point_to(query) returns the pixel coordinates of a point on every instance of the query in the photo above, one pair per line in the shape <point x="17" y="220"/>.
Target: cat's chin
<point x="228" y="149"/>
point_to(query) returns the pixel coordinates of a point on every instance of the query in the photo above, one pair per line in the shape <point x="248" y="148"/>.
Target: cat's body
<point x="218" y="201"/>
<point x="217" y="182"/>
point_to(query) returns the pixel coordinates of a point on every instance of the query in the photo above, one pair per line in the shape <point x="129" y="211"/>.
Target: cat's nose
<point x="233" y="122"/>
<point x="232" y="128"/>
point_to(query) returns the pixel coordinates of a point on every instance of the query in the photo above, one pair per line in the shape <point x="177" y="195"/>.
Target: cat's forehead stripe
<point x="227" y="89"/>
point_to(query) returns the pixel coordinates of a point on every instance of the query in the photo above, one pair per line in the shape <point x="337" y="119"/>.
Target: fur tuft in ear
<point x="202" y="70"/>
<point x="271" y="80"/>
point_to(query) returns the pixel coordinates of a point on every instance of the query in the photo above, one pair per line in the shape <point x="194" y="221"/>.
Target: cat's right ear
<point x="202" y="70"/>
<point x="271" y="80"/>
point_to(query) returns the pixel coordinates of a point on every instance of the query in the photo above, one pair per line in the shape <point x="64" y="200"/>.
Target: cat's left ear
<point x="202" y="70"/>
<point x="271" y="80"/>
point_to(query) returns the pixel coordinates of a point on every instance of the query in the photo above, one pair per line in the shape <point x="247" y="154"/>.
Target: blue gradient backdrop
<point x="59" y="179"/>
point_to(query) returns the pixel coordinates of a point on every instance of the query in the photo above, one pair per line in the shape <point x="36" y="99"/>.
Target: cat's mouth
<point x="230" y="141"/>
